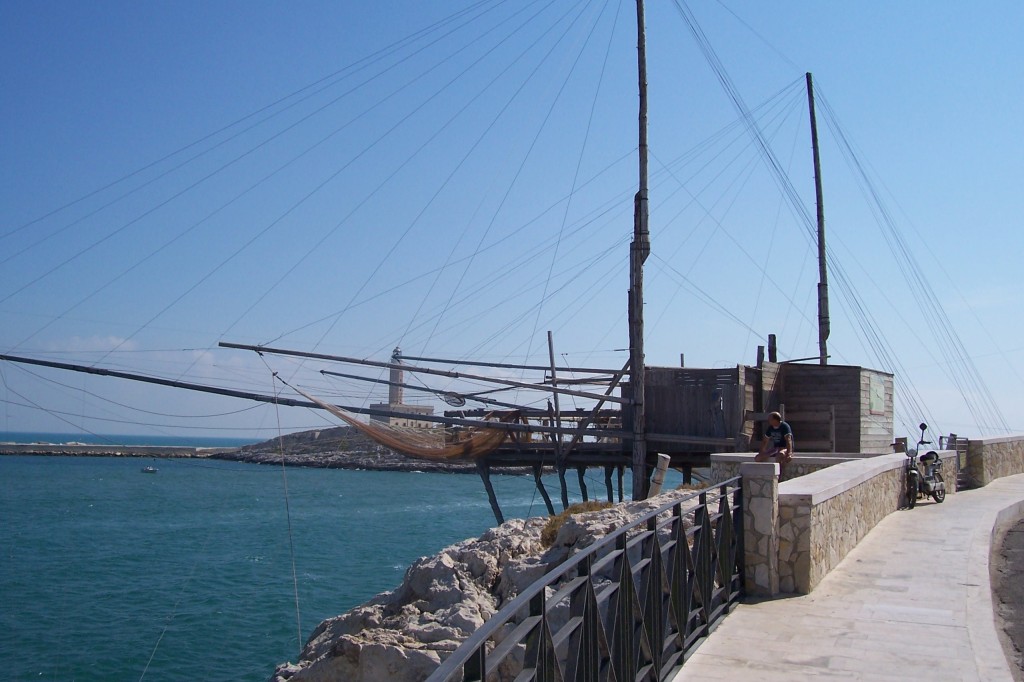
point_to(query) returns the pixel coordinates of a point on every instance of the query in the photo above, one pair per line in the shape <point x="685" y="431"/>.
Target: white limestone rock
<point x="399" y="636"/>
<point x="402" y="635"/>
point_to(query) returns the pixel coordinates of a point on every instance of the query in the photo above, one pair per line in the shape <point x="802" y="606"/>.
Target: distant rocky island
<point x="339" y="447"/>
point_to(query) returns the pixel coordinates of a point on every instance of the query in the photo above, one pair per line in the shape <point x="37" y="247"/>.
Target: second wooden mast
<point x="824" y="326"/>
<point x="639" y="249"/>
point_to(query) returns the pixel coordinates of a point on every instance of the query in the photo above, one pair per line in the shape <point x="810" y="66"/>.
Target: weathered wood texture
<point x="705" y="403"/>
<point x="810" y="391"/>
<point x="765" y="382"/>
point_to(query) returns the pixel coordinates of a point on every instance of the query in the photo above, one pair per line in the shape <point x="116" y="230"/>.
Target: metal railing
<point x="958" y="443"/>
<point x="632" y="606"/>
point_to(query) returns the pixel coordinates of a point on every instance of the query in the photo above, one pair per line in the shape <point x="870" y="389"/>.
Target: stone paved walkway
<point x="911" y="601"/>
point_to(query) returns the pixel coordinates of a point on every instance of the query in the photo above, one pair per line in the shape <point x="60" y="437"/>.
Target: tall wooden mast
<point x="823" y="321"/>
<point x="638" y="252"/>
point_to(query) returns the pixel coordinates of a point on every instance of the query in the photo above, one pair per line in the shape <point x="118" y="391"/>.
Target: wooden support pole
<point x="419" y="370"/>
<point x="609" y="470"/>
<point x="538" y="480"/>
<point x="823" y="318"/>
<point x="581" y="477"/>
<point x="556" y="438"/>
<point x="444" y="395"/>
<point x="639" y="249"/>
<point x="581" y="429"/>
<point x="484" y="469"/>
<point x="659" y="474"/>
<point x="621" y="475"/>
<point x="505" y="365"/>
<point x="562" y="485"/>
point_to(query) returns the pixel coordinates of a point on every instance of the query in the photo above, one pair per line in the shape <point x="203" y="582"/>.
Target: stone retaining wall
<point x="813" y="538"/>
<point x="992" y="458"/>
<point x="820" y="517"/>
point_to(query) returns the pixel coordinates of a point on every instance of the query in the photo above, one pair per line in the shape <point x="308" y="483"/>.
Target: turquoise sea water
<point x="104" y="567"/>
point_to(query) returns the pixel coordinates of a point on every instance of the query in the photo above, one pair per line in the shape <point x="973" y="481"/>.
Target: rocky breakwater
<point x="403" y="635"/>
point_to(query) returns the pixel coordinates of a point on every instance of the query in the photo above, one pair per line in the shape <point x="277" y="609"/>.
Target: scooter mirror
<point x="922" y="426"/>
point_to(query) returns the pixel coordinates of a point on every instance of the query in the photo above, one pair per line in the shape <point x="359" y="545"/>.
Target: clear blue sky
<point x="176" y="174"/>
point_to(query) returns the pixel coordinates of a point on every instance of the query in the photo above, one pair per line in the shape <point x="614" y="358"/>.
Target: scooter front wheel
<point x="912" y="488"/>
<point x="939" y="494"/>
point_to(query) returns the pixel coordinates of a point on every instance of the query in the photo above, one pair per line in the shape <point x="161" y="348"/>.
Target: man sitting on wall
<point x="778" y="441"/>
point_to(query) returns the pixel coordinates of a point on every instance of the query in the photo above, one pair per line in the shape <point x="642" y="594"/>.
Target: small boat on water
<point x="149" y="470"/>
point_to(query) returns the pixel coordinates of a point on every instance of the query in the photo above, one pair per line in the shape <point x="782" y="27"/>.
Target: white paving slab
<point x="911" y="601"/>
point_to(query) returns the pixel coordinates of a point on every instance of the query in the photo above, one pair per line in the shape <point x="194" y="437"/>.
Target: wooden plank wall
<point x="711" y="403"/>
<point x="696" y="402"/>
<point x="809" y="392"/>
<point x="753" y="397"/>
<point x="771" y="387"/>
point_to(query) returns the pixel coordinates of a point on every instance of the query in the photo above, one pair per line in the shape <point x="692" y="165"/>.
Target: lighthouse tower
<point x="395" y="389"/>
<point x="396" y="400"/>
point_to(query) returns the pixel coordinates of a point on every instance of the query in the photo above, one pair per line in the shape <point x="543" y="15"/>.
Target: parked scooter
<point x="924" y="473"/>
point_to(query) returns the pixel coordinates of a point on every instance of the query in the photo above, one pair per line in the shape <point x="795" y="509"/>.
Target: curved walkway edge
<point x="914" y="598"/>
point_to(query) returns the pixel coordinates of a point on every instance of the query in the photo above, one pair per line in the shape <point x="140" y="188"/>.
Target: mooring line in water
<point x="287" y="504"/>
<point x="177" y="603"/>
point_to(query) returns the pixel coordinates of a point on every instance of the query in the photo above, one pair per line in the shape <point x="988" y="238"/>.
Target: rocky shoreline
<point x="403" y="635"/>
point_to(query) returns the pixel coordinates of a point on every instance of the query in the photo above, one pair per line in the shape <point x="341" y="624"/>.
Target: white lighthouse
<point x="395" y="389"/>
<point x="396" y="399"/>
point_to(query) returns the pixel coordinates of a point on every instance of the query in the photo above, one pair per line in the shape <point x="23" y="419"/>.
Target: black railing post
<point x="476" y="665"/>
<point x="651" y="587"/>
<point x="739" y="556"/>
<point x="621" y="614"/>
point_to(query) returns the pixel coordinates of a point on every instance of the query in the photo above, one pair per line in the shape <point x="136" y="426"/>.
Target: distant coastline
<point x="330" y="448"/>
<point x="115" y="445"/>
<point x="120" y="440"/>
<point x="75" y="449"/>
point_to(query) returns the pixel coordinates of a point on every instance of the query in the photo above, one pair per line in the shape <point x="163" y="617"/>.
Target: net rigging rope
<point x="579" y="158"/>
<point x="451" y="175"/>
<point x="364" y="61"/>
<point x="963" y="371"/>
<point x="287" y="503"/>
<point x="870" y="331"/>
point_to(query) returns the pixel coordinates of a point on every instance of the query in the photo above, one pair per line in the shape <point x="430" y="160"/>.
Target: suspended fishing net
<point x="430" y="443"/>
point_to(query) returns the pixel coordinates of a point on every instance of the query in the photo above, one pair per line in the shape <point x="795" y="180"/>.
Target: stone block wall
<point x="821" y="514"/>
<point x="794" y="544"/>
<point x="835" y="526"/>
<point x="760" y="528"/>
<point x="824" y="515"/>
<point x="992" y="458"/>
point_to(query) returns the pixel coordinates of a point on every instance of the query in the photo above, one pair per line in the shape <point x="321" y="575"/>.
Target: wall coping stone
<point x="816" y="487"/>
<point x="759" y="469"/>
<point x="807" y="458"/>
<point x="992" y="441"/>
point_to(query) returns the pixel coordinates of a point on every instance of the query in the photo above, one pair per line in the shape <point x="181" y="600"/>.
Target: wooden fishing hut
<point x="835" y="408"/>
<point x="692" y="412"/>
